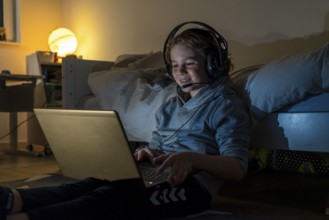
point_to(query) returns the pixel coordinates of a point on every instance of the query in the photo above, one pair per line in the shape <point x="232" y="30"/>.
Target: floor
<point x="13" y="167"/>
<point x="261" y="195"/>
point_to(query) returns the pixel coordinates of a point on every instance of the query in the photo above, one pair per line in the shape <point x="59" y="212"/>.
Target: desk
<point x="16" y="95"/>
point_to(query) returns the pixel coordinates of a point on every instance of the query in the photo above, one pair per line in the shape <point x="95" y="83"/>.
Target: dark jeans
<point x="125" y="199"/>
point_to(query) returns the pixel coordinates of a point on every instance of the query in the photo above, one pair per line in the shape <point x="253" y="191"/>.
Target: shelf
<point x="48" y="93"/>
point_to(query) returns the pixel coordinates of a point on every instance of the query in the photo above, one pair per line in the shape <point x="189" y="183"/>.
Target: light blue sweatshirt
<point x="213" y="122"/>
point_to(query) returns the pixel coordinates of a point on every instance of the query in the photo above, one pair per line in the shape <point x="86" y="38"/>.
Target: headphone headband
<point x="222" y="47"/>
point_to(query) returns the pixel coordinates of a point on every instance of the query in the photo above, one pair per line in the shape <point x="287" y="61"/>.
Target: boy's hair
<point x="205" y="43"/>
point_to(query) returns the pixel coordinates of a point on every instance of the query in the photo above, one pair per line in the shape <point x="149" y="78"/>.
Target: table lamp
<point x="62" y="42"/>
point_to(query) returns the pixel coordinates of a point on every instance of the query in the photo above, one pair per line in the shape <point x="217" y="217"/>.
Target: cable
<point x="180" y="127"/>
<point x="16" y="128"/>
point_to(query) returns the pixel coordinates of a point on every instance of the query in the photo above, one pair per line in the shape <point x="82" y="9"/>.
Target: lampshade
<point x="62" y="41"/>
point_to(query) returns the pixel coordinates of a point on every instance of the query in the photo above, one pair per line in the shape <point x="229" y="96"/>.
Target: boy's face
<point x="188" y="67"/>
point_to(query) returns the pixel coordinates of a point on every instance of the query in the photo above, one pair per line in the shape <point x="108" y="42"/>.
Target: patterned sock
<point x="6" y="201"/>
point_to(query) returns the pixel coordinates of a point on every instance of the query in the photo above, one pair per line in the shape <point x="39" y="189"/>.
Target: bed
<point x="288" y="98"/>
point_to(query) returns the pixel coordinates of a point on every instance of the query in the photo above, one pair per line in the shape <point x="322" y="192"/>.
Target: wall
<point x="37" y="19"/>
<point x="257" y="30"/>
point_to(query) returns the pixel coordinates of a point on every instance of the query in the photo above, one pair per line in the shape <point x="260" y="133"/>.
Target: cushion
<point x="125" y="60"/>
<point x="268" y="88"/>
<point x="135" y="94"/>
<point x="152" y="60"/>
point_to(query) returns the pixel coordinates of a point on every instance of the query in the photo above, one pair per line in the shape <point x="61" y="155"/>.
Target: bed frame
<point x="307" y="131"/>
<point x="75" y="74"/>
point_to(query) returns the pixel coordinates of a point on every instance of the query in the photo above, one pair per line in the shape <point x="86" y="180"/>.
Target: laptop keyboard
<point x="150" y="174"/>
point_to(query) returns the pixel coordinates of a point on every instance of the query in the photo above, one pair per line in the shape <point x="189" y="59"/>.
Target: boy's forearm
<point x="223" y="167"/>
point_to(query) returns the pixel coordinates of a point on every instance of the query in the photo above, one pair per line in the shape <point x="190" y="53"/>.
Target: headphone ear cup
<point x="212" y="64"/>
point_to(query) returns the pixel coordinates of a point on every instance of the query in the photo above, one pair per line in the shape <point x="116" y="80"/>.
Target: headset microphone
<point x="191" y="84"/>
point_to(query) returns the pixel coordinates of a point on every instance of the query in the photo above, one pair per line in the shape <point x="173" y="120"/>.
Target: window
<point x="1" y="13"/>
<point x="9" y="19"/>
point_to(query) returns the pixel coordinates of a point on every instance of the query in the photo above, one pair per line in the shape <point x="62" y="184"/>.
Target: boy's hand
<point x="180" y="164"/>
<point x="145" y="153"/>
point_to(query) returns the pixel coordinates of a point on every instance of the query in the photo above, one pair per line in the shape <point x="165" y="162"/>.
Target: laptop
<point x="91" y="143"/>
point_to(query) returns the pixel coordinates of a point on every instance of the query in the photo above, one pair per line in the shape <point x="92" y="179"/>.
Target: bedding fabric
<point x="270" y="87"/>
<point x="137" y="85"/>
<point x="317" y="103"/>
<point x="90" y="102"/>
<point x="135" y="92"/>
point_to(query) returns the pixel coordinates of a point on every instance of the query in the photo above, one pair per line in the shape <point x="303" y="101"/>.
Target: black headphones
<point x="216" y="60"/>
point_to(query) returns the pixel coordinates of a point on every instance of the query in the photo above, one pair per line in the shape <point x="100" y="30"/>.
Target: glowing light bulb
<point x="62" y="41"/>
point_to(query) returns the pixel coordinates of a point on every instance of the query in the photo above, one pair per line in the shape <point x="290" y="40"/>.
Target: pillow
<point x="283" y="81"/>
<point x="152" y="60"/>
<point x="135" y="94"/>
<point x="125" y="60"/>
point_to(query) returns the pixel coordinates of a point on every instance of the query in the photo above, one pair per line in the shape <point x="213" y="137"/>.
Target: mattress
<point x="318" y="103"/>
<point x="302" y="126"/>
